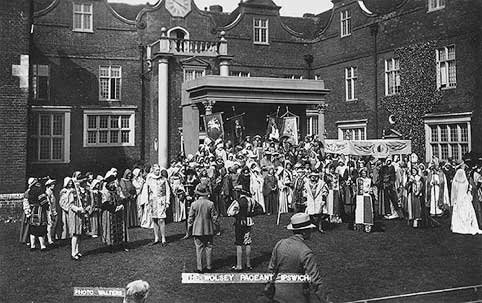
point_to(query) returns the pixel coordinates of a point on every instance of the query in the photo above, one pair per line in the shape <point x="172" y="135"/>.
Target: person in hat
<point x="292" y="255"/>
<point x="35" y="206"/>
<point x="52" y="211"/>
<point x="334" y="201"/>
<point x="437" y="189"/>
<point x="388" y="194"/>
<point x="95" y="211"/>
<point x="202" y="221"/>
<point x="114" y="228"/>
<point x="74" y="214"/>
<point x="159" y="192"/>
<point x="137" y="292"/>
<point x="300" y="178"/>
<point x="129" y="196"/>
<point x="315" y="192"/>
<point x="270" y="192"/>
<point x="256" y="187"/>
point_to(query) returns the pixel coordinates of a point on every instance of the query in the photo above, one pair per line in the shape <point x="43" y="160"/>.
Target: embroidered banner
<point x="290" y="129"/>
<point x="272" y="130"/>
<point x="376" y="148"/>
<point x="214" y="126"/>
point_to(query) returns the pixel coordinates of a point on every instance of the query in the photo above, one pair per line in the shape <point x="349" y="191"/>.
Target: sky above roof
<point x="288" y="7"/>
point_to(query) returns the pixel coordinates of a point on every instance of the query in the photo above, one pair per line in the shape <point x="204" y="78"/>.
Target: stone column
<point x="190" y="124"/>
<point x="163" y="109"/>
<point x="321" y="121"/>
<point x="223" y="56"/>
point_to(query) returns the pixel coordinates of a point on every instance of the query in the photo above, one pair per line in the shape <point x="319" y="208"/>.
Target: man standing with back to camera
<point x="292" y="255"/>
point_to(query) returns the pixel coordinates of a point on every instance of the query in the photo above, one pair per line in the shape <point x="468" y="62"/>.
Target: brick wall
<point x="11" y="206"/>
<point x="13" y="100"/>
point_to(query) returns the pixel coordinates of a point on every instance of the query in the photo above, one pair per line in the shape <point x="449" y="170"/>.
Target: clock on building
<point x="178" y="8"/>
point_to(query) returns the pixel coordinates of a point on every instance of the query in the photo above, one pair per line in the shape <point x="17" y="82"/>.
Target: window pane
<point x="77" y="21"/>
<point x="454" y="133"/>
<point x="117" y="88"/>
<point x="87" y="19"/>
<point x="443" y="133"/>
<point x="114" y="136"/>
<point x="57" y="148"/>
<point x="125" y="136"/>
<point x="434" y="133"/>
<point x="451" y="52"/>
<point x="87" y="8"/>
<point x="92" y="137"/>
<point x="45" y="149"/>
<point x="104" y="71"/>
<point x="92" y="121"/>
<point x="125" y="121"/>
<point x="104" y="88"/>
<point x="435" y="150"/>
<point x="114" y="121"/>
<point x="464" y="133"/>
<point x="455" y="151"/>
<point x="77" y="8"/>
<point x="42" y="87"/>
<point x="103" y="121"/>
<point x="444" y="151"/>
<point x="103" y="136"/>
<point x="45" y="125"/>
<point x="58" y="126"/>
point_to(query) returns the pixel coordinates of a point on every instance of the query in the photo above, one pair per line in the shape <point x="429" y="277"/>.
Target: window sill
<point x="261" y="43"/>
<point x="83" y="31"/>
<point x="430" y="10"/>
<point x="110" y="145"/>
<point x="39" y="162"/>
<point x="344" y="36"/>
<point x="391" y="95"/>
<point x="352" y="100"/>
<point x="447" y="88"/>
<point x="109" y="100"/>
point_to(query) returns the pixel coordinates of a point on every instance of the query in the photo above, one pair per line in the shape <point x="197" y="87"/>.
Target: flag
<point x="290" y="129"/>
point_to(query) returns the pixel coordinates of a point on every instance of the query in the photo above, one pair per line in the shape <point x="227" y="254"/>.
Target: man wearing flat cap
<point x="202" y="220"/>
<point x="292" y="255"/>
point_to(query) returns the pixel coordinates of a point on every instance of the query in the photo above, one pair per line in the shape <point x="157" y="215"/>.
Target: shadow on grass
<point x="230" y="260"/>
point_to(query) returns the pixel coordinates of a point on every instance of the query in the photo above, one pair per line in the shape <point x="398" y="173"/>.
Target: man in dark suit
<point x="202" y="220"/>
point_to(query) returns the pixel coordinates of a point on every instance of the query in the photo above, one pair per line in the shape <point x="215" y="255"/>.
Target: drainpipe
<point x="374" y="33"/>
<point x="143" y="103"/>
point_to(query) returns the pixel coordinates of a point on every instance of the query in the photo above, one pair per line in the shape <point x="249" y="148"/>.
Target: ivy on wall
<point x="418" y="92"/>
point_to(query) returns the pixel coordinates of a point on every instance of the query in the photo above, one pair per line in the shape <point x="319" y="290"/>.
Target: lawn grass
<point x="355" y="265"/>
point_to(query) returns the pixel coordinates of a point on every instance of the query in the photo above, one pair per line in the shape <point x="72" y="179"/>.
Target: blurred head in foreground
<point x="137" y="292"/>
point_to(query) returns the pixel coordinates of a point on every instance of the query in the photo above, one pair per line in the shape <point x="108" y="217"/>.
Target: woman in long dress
<point x="364" y="202"/>
<point x="415" y="199"/>
<point x="285" y="181"/>
<point x="129" y="194"/>
<point x="464" y="220"/>
<point x="270" y="192"/>
<point x="114" y="228"/>
<point x="178" y="210"/>
<point x="256" y="185"/>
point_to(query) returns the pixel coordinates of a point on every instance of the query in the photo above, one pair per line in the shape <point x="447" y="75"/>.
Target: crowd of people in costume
<point x="279" y="177"/>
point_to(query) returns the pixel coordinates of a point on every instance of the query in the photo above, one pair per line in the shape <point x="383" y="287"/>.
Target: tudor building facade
<point x="115" y="85"/>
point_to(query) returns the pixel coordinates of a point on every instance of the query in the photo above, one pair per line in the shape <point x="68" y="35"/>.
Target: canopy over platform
<point x="254" y="90"/>
<point x="202" y="94"/>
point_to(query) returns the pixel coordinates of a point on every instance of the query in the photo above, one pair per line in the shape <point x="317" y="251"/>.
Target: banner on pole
<point x="375" y="148"/>
<point x="214" y="126"/>
<point x="273" y="129"/>
<point x="290" y="129"/>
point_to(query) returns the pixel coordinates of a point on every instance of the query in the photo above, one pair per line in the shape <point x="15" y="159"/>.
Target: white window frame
<point x="260" y="28"/>
<point x="351" y="76"/>
<point x="109" y="82"/>
<point x="312" y="116"/>
<point x="109" y="113"/>
<point x="345" y="23"/>
<point x="83" y="12"/>
<point x="294" y="77"/>
<point x="435" y="5"/>
<point x="352" y="125"/>
<point x="392" y="76"/>
<point x="66" y="111"/>
<point x="446" y="119"/>
<point x="40" y="70"/>
<point x="189" y="69"/>
<point x="240" y="74"/>
<point x="443" y="67"/>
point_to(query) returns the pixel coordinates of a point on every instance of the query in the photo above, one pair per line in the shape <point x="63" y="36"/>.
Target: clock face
<point x="178" y="8"/>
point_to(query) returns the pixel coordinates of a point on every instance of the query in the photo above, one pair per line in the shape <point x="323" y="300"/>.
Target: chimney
<point x="216" y="8"/>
